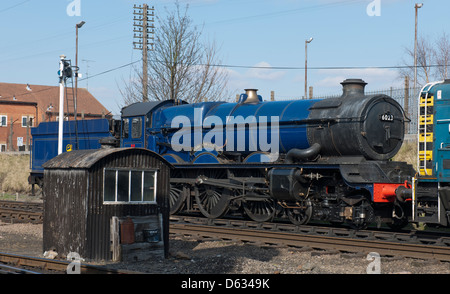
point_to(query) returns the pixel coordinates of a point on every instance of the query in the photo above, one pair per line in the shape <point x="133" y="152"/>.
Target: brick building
<point x="23" y="106"/>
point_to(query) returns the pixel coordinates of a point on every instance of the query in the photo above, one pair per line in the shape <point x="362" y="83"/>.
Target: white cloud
<point x="330" y="81"/>
<point x="253" y="77"/>
<point x="236" y="81"/>
<point x="378" y="77"/>
<point x="264" y="72"/>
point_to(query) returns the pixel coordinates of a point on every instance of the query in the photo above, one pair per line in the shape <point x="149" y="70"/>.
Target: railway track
<point x="17" y="211"/>
<point x="415" y="245"/>
<point x="21" y="264"/>
<point x="6" y="269"/>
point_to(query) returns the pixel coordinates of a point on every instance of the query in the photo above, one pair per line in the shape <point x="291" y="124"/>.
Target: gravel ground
<point x="190" y="256"/>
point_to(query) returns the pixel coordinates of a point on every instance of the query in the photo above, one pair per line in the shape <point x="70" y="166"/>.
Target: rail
<point x="58" y="266"/>
<point x="384" y="243"/>
<point x="6" y="269"/>
<point x="17" y="211"/>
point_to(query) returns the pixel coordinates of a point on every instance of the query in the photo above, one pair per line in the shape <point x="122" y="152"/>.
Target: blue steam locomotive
<point x="304" y="159"/>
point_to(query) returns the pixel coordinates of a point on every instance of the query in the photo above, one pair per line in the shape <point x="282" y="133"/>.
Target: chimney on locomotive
<point x="250" y="97"/>
<point x="353" y="87"/>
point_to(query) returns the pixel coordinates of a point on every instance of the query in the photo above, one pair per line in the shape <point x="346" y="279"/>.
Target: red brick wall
<point x="16" y="112"/>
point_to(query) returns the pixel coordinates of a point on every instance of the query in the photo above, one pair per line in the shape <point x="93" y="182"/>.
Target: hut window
<point x="129" y="186"/>
<point x="110" y="190"/>
<point x="149" y="186"/>
<point x="123" y="183"/>
<point x="136" y="186"/>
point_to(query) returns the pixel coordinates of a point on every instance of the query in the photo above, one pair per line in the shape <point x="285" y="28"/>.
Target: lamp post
<point x="78" y="26"/>
<point x="75" y="114"/>
<point x="417" y="6"/>
<point x="306" y="65"/>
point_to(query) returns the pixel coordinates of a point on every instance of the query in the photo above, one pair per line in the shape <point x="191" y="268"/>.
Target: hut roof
<point x="84" y="159"/>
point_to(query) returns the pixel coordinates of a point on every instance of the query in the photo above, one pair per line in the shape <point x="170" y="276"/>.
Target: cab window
<point x="125" y="127"/>
<point x="136" y="128"/>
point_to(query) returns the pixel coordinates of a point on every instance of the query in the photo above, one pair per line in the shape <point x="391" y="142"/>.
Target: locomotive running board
<point x="222" y="183"/>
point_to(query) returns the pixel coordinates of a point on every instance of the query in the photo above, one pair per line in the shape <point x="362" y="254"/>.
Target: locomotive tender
<point x="305" y="159"/>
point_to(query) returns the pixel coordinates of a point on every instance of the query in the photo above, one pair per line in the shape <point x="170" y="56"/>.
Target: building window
<point x="65" y="118"/>
<point x="27" y="120"/>
<point x="3" y="120"/>
<point x="129" y="186"/>
<point x="3" y="147"/>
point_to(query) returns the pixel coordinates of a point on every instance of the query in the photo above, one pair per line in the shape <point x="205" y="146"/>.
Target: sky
<point x="262" y="42"/>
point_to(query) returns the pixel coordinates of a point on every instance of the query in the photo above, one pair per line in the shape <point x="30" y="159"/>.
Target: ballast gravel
<point x="192" y="256"/>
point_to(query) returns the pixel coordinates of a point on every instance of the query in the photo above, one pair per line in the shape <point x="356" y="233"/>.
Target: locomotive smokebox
<point x="356" y="124"/>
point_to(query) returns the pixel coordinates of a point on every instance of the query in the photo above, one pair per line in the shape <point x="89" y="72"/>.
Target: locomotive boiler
<point x="352" y="125"/>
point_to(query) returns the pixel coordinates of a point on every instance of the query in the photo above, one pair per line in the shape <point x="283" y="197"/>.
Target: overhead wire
<point x="14" y="6"/>
<point x="264" y="16"/>
<point x="80" y="80"/>
<point x="242" y="66"/>
<point x="320" y="67"/>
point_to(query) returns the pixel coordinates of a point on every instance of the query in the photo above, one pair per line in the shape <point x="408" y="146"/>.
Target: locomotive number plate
<point x="387" y="117"/>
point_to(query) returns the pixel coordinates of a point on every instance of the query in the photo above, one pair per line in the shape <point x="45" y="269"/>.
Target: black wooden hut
<point x="92" y="196"/>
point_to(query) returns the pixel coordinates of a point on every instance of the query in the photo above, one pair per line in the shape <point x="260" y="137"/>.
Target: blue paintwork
<point x="45" y="139"/>
<point x="441" y="133"/>
<point x="441" y="130"/>
<point x="152" y="129"/>
<point x="292" y="134"/>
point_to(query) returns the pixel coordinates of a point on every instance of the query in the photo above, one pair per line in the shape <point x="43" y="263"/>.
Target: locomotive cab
<point x="136" y="124"/>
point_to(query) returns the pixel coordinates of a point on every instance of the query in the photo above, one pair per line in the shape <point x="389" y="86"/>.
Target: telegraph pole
<point x="143" y="31"/>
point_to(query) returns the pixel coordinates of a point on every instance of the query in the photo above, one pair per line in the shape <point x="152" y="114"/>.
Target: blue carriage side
<point x="86" y="134"/>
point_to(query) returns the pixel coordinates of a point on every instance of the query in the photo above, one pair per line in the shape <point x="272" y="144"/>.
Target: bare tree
<point x="131" y="89"/>
<point x="424" y="60"/>
<point x="182" y="66"/>
<point x="441" y="56"/>
<point x="433" y="58"/>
